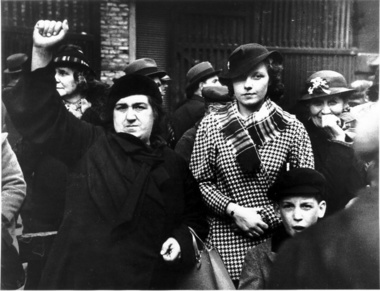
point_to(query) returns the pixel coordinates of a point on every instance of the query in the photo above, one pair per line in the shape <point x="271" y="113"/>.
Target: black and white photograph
<point x="190" y="144"/>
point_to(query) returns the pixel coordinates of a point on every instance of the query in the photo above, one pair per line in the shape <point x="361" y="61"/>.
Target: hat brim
<point x="299" y="190"/>
<point x="201" y="78"/>
<point x="158" y="74"/>
<point x="250" y="64"/>
<point x="334" y="92"/>
<point x="6" y="71"/>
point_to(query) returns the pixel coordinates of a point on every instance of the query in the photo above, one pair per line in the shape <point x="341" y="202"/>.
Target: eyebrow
<point x="133" y="104"/>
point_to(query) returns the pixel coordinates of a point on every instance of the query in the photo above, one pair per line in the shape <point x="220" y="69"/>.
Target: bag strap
<point x="195" y="246"/>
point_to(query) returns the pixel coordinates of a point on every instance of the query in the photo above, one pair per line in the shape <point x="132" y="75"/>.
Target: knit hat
<point x="325" y="83"/>
<point x="199" y="73"/>
<point x="71" y="55"/>
<point x="299" y="181"/>
<point x="146" y="67"/>
<point x="246" y="57"/>
<point x="15" y="63"/>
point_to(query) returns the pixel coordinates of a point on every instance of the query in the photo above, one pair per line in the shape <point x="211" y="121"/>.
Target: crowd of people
<point x="101" y="184"/>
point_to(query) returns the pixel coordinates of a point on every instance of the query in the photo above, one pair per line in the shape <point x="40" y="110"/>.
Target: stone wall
<point x="114" y="32"/>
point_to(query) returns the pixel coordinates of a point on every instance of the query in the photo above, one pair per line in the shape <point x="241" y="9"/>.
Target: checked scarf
<point x="246" y="135"/>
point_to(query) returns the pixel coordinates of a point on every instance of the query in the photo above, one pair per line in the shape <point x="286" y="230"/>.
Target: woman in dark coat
<point x="46" y="175"/>
<point x="330" y="128"/>
<point x="129" y="200"/>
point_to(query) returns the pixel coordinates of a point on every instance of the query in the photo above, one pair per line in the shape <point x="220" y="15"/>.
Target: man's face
<point x="212" y="81"/>
<point x="160" y="86"/>
<point x="299" y="212"/>
<point x="134" y="115"/>
<point x="65" y="82"/>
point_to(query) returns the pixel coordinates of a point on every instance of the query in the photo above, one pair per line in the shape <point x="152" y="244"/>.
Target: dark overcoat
<point x="337" y="162"/>
<point x="187" y="115"/>
<point x="124" y="199"/>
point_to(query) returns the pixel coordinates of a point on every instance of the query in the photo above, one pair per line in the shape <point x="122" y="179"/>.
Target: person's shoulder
<point x="260" y="250"/>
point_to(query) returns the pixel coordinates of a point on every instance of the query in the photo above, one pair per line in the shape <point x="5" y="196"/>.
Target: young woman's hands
<point x="247" y="220"/>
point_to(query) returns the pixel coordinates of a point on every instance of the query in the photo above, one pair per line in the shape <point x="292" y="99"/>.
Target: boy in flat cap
<point x="299" y="201"/>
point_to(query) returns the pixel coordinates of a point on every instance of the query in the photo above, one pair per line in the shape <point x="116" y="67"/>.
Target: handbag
<point x="209" y="272"/>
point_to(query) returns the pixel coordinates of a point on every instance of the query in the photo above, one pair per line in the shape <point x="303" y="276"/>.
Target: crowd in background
<point x="100" y="184"/>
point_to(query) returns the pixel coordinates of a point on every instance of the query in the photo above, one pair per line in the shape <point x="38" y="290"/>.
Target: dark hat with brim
<point x="199" y="73"/>
<point x="299" y="181"/>
<point x="146" y="67"/>
<point x="133" y="84"/>
<point x="71" y="56"/>
<point x="325" y="83"/>
<point x="216" y="94"/>
<point x="15" y="63"/>
<point x="246" y="57"/>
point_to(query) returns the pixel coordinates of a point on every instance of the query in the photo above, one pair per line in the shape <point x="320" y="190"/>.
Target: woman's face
<point x="134" y="115"/>
<point x="250" y="89"/>
<point x="65" y="81"/>
<point x="328" y="105"/>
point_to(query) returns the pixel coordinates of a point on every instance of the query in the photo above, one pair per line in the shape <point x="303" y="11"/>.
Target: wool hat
<point x="133" y="84"/>
<point x="15" y="63"/>
<point x="146" y="67"/>
<point x="325" y="83"/>
<point x="199" y="73"/>
<point x="299" y="181"/>
<point x="71" y="55"/>
<point x="216" y="94"/>
<point x="246" y="57"/>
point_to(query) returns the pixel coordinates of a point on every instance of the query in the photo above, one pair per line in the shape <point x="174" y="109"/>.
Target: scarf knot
<point x="259" y="128"/>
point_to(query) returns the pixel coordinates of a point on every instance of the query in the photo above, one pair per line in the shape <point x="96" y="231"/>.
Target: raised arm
<point x="35" y="106"/>
<point x="46" y="35"/>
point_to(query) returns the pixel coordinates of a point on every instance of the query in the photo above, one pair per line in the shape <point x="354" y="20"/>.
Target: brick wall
<point x="114" y="38"/>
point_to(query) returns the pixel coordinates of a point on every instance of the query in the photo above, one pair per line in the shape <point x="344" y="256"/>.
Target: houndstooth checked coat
<point x="222" y="181"/>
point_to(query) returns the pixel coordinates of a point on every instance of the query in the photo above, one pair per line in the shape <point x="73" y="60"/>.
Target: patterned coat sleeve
<point x="301" y="153"/>
<point x="203" y="167"/>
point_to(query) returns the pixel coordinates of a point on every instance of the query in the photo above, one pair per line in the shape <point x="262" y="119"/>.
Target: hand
<point x="171" y="250"/>
<point x="331" y="124"/>
<point x="248" y="221"/>
<point x="85" y="105"/>
<point x="48" y="33"/>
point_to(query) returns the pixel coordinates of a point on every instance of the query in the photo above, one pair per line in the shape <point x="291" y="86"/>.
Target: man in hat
<point x="15" y="64"/>
<point x="147" y="67"/>
<point x="198" y="77"/>
<point x="215" y="97"/>
<point x="299" y="201"/>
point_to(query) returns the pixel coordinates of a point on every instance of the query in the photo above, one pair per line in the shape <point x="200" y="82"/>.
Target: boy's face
<point x="299" y="212"/>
